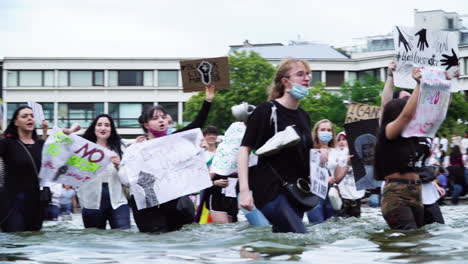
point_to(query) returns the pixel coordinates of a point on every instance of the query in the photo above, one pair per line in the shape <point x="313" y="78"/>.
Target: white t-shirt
<point x="347" y="186"/>
<point x="464" y="145"/>
<point x="444" y="144"/>
<point x="430" y="194"/>
<point x="435" y="144"/>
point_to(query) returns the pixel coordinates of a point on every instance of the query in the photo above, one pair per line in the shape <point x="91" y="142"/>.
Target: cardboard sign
<point x="361" y="138"/>
<point x="318" y="175"/>
<point x="71" y="159"/>
<point x="225" y="158"/>
<point x="37" y="111"/>
<point x="433" y="103"/>
<point x="419" y="47"/>
<point x="358" y="111"/>
<point x="163" y="169"/>
<point x="196" y="74"/>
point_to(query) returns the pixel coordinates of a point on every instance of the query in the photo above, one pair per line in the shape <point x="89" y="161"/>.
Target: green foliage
<point x="456" y="121"/>
<point x="321" y="104"/>
<point x="250" y="76"/>
<point x="366" y="92"/>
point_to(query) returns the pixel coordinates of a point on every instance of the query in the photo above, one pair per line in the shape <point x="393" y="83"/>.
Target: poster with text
<point x="359" y="111"/>
<point x="433" y="103"/>
<point x="362" y="138"/>
<point x="196" y="74"/>
<point x="318" y="175"/>
<point x="419" y="47"/>
<point x="71" y="159"/>
<point x="37" y="111"/>
<point x="166" y="168"/>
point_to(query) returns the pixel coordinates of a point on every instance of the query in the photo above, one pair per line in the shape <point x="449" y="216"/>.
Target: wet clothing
<point x="350" y="208"/>
<point x="20" y="207"/>
<point x="402" y="207"/>
<point x="171" y="215"/>
<point x="119" y="218"/>
<point x="291" y="163"/>
<point x="219" y="201"/>
<point x="432" y="214"/>
<point x="284" y="216"/>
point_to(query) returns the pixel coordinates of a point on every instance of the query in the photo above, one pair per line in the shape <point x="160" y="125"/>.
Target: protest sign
<point x="163" y="169"/>
<point x="419" y="47"/>
<point x="71" y="159"/>
<point x="225" y="158"/>
<point x="37" y="111"/>
<point x="361" y="137"/>
<point x="318" y="175"/>
<point x="358" y="111"/>
<point x="196" y="74"/>
<point x="433" y="102"/>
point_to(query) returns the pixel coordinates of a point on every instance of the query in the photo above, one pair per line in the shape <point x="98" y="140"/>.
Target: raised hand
<point x="401" y="39"/>
<point x="449" y="60"/>
<point x="210" y="92"/>
<point x="422" y="39"/>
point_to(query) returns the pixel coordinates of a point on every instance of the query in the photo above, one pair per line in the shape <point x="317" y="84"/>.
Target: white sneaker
<point x="286" y="138"/>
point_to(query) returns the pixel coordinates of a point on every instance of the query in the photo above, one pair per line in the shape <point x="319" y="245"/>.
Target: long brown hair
<point x="277" y="89"/>
<point x="315" y="139"/>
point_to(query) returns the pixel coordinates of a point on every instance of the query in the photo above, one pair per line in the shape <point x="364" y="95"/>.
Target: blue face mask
<point x="325" y="136"/>
<point x="298" y="91"/>
<point x="170" y="130"/>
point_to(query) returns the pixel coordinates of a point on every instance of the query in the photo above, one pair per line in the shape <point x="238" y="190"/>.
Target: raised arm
<point x="387" y="93"/>
<point x="394" y="128"/>
<point x="203" y="114"/>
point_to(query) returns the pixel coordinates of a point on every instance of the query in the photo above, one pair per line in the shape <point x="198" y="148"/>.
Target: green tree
<point x="456" y="121"/>
<point x="321" y="104"/>
<point x="250" y="76"/>
<point x="367" y="91"/>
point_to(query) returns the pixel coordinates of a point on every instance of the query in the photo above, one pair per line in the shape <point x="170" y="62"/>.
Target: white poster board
<point x="433" y="103"/>
<point x="418" y="47"/>
<point x="225" y="158"/>
<point x="166" y="168"/>
<point x="71" y="159"/>
<point x="38" y="112"/>
<point x="318" y="175"/>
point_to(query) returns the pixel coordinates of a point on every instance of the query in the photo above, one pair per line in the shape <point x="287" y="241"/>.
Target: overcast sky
<point x="186" y="28"/>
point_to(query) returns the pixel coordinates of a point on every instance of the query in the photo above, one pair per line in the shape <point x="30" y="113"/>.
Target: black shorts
<point x="218" y="202"/>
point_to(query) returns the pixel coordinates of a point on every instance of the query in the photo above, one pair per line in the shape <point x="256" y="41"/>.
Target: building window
<point x="30" y="78"/>
<point x="168" y="78"/>
<point x="172" y="109"/>
<point x="126" y="115"/>
<point x="335" y="78"/>
<point x="364" y="75"/>
<point x="352" y="76"/>
<point x="81" y="78"/>
<point x="81" y="113"/>
<point x="450" y="23"/>
<point x="316" y="77"/>
<point x="130" y="78"/>
<point x="48" y="109"/>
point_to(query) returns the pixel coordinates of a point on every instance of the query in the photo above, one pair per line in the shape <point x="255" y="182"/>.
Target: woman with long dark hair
<point x="103" y="199"/>
<point x="171" y="215"/>
<point x="396" y="162"/>
<point x="21" y="149"/>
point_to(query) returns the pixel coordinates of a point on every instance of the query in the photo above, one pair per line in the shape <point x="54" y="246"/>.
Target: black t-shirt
<point x="400" y="155"/>
<point x="20" y="174"/>
<point x="291" y="163"/>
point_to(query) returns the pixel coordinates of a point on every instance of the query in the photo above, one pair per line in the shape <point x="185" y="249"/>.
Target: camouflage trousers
<point x="402" y="207"/>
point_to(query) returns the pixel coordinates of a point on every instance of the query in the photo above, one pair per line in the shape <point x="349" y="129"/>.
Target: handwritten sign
<point x="361" y="138"/>
<point x="71" y="159"/>
<point x="37" y="111"/>
<point x="358" y="111"/>
<point x="225" y="158"/>
<point x="419" y="47"/>
<point x="196" y="74"/>
<point x="166" y="168"/>
<point x="433" y="102"/>
<point x="318" y="175"/>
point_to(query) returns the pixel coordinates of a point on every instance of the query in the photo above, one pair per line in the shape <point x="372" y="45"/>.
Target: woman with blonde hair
<point x="323" y="136"/>
<point x="283" y="157"/>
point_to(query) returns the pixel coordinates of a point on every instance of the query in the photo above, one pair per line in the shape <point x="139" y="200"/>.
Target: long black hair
<point x="114" y="141"/>
<point x="12" y="130"/>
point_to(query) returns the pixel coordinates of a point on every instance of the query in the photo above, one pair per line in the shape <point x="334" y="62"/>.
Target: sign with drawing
<point x="318" y="175"/>
<point x="419" y="47"/>
<point x="433" y="103"/>
<point x="196" y="74"/>
<point x="71" y="159"/>
<point x="358" y="111"/>
<point x="163" y="169"/>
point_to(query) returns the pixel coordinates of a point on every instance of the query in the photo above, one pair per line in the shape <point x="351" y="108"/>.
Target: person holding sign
<point x="172" y="215"/>
<point x="291" y="163"/>
<point x="103" y="198"/>
<point x="395" y="163"/>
